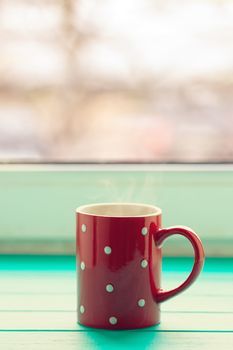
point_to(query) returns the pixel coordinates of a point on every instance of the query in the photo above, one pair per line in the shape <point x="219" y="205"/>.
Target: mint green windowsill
<point x="38" y="203"/>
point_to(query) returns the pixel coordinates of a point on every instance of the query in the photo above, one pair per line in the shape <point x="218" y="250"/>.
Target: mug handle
<point x="199" y="255"/>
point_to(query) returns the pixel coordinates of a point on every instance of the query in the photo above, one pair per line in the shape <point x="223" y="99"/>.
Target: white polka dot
<point x="113" y="320"/>
<point x="82" y="309"/>
<point x="144" y="263"/>
<point x="84" y="228"/>
<point x="107" y="250"/>
<point x="109" y="288"/>
<point x="141" y="302"/>
<point x="144" y="231"/>
<point x="82" y="265"/>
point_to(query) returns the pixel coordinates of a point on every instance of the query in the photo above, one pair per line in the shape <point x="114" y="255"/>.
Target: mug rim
<point x="155" y="211"/>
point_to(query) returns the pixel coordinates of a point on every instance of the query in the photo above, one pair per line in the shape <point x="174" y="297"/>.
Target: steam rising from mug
<point x="131" y="187"/>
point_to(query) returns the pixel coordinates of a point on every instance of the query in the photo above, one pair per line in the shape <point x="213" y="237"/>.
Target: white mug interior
<point x="119" y="210"/>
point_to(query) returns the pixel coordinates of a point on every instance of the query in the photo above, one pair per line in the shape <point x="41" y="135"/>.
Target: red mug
<point x="119" y="264"/>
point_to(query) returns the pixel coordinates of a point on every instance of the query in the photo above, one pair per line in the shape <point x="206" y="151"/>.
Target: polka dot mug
<point x="119" y="264"/>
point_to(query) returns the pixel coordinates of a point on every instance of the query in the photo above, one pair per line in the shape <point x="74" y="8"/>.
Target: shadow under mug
<point x="119" y="264"/>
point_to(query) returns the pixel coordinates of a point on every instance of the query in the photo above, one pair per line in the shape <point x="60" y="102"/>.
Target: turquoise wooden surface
<point x="38" y="302"/>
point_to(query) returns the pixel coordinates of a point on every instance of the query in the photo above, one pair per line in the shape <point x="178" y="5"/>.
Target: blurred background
<point x="125" y="80"/>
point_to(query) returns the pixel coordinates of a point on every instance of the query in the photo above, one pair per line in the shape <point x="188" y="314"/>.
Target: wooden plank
<point x="38" y="302"/>
<point x="67" y="321"/>
<point x="96" y="340"/>
<point x="59" y="264"/>
<point x="37" y="282"/>
<point x="65" y="282"/>
<point x="208" y="304"/>
<point x="67" y="302"/>
<point x="57" y="291"/>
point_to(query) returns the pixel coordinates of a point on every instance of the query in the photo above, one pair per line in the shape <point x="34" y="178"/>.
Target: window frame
<point x="38" y="201"/>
